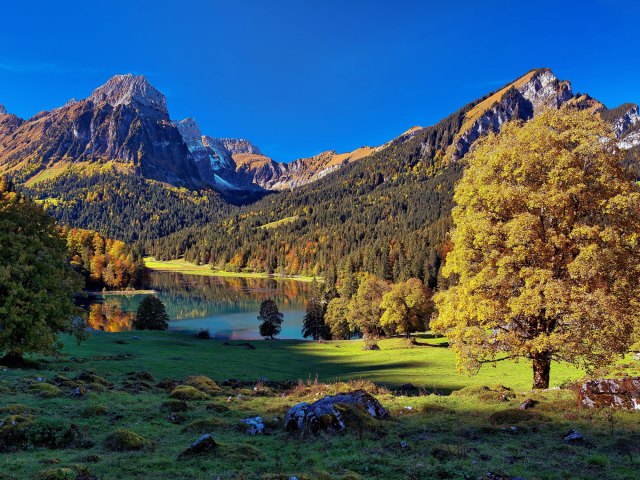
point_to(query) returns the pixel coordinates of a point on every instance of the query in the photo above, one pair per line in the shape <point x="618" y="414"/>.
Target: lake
<point x="226" y="306"/>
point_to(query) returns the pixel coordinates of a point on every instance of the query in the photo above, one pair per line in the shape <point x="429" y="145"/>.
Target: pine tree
<point x="314" y="325"/>
<point x="151" y="315"/>
<point x="270" y="318"/>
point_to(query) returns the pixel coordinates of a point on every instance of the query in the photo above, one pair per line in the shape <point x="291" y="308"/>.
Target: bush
<point x="51" y="433"/>
<point x="125" y="440"/>
<point x="151" y="315"/>
<point x="203" y="334"/>
<point x="186" y="392"/>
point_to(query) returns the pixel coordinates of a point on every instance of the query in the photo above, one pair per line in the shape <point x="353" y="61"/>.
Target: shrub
<point x="151" y="315"/>
<point x="125" y="440"/>
<point x="203" y="334"/>
<point x="51" y="433"/>
<point x="186" y="392"/>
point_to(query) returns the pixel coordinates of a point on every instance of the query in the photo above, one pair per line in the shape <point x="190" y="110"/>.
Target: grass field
<point x="444" y="433"/>
<point x="187" y="268"/>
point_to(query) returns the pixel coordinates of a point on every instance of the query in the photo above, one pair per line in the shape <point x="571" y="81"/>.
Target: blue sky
<point x="300" y="77"/>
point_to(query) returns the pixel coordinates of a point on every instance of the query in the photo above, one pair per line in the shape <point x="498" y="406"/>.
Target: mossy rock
<point x="485" y="394"/>
<point x="187" y="392"/>
<point x="137" y="386"/>
<point x="122" y="440"/>
<point x="94" y="411"/>
<point x="357" y="418"/>
<point x="73" y="472"/>
<point x="204" y="425"/>
<point x="141" y="376"/>
<point x="62" y="381"/>
<point x="44" y="390"/>
<point x="242" y="452"/>
<point x="13" y="433"/>
<point x="58" y="473"/>
<point x="513" y="416"/>
<point x="15" y="409"/>
<point x="174" y="405"/>
<point x="202" y="383"/>
<point x="217" y="407"/>
<point x="91" y="379"/>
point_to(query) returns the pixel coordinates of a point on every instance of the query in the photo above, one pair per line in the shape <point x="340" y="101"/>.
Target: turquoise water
<point x="227" y="307"/>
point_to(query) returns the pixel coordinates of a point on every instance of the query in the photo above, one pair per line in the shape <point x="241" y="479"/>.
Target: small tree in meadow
<point x="151" y="315"/>
<point x="270" y="319"/>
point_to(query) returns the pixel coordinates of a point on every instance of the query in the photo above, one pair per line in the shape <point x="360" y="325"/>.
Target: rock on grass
<point x="205" y="444"/>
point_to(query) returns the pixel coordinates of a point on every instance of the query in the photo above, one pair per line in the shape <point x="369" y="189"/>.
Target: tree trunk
<point x="12" y="359"/>
<point x="541" y="370"/>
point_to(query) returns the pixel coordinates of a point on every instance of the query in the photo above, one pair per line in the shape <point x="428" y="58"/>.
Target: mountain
<point x="388" y="212"/>
<point x="115" y="162"/>
<point x="124" y="122"/>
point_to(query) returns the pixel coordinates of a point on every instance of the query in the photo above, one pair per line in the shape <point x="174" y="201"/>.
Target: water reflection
<point x="228" y="307"/>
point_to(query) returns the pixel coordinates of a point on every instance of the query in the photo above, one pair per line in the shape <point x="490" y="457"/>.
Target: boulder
<point x="204" y="444"/>
<point x="253" y="425"/>
<point x="334" y="413"/>
<point x="573" y="437"/>
<point x="527" y="404"/>
<point x="621" y="393"/>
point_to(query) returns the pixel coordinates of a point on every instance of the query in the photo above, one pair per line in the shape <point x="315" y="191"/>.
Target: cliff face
<point x="125" y="122"/>
<point x="627" y="127"/>
<point x="522" y="99"/>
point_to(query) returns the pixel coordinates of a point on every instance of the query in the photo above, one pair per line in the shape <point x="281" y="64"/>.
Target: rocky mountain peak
<point x="189" y="129"/>
<point x="239" y="145"/>
<point x="130" y="89"/>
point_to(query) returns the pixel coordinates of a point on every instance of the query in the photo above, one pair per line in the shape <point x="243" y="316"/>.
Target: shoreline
<point x="185" y="268"/>
<point x="120" y="292"/>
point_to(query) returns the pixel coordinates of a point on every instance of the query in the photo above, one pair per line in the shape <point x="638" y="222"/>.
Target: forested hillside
<point x="126" y="207"/>
<point x="386" y="215"/>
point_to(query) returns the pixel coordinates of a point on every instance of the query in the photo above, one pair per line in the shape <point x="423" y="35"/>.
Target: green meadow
<point x="457" y="427"/>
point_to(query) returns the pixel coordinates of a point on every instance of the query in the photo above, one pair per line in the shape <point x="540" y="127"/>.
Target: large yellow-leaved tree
<point x="545" y="262"/>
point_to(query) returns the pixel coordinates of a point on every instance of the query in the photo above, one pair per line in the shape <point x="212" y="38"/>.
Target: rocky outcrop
<point x="621" y="393"/>
<point x="130" y="90"/>
<point x="334" y="413"/>
<point x="520" y="100"/>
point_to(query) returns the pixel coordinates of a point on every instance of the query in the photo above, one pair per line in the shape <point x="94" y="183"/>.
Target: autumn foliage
<point x="546" y="248"/>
